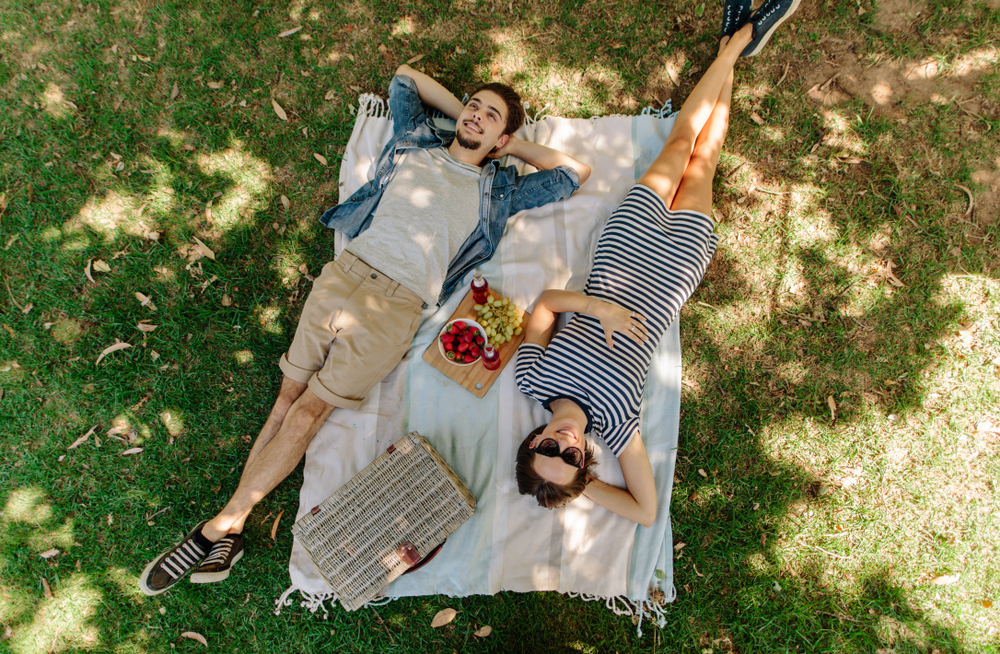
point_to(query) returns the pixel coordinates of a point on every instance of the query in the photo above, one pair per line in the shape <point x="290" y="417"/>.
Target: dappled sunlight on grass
<point x="172" y="421"/>
<point x="27" y="505"/>
<point x="243" y="357"/>
<point x="61" y="537"/>
<point x="269" y="319"/>
<point x="127" y="582"/>
<point x="249" y="177"/>
<point x="63" y="622"/>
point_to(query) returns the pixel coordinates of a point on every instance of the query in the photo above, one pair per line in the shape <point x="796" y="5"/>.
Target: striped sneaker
<point x="224" y="555"/>
<point x="165" y="570"/>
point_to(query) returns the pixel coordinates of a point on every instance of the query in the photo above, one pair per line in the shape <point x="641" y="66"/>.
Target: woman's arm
<point x="432" y="93"/>
<point x="541" y="157"/>
<point x="613" y="317"/>
<point x="637" y="501"/>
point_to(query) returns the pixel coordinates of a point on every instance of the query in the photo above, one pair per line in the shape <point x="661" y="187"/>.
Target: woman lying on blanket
<point x="650" y="257"/>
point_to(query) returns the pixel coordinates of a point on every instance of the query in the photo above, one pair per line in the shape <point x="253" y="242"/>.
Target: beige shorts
<point x="355" y="328"/>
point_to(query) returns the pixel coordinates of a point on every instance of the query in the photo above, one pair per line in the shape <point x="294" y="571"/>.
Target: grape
<point x="500" y="318"/>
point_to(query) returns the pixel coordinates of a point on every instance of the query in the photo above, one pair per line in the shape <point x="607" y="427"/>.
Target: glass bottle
<point x="491" y="358"/>
<point x="480" y="287"/>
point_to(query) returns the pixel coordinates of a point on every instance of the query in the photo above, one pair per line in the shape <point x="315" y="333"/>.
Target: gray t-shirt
<point x="428" y="209"/>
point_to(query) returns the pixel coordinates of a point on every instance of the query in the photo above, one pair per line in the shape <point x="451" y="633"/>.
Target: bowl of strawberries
<point x="461" y="342"/>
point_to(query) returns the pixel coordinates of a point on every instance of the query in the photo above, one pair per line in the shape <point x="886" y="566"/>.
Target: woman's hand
<point x="618" y="319"/>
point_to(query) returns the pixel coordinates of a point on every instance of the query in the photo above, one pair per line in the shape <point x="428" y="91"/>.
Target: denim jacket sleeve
<point x="543" y="187"/>
<point x="405" y="105"/>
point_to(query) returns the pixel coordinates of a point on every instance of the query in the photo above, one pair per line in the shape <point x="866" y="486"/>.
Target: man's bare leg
<point x="290" y="391"/>
<point x="268" y="466"/>
<point x="664" y="175"/>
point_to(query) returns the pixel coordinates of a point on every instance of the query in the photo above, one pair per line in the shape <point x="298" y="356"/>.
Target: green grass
<point x="805" y="533"/>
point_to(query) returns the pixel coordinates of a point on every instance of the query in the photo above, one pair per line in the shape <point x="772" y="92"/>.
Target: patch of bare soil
<point x="987" y="210"/>
<point x="887" y="84"/>
<point x="899" y="15"/>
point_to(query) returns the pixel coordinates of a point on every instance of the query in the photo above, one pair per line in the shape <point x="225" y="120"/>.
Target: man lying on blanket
<point x="436" y="208"/>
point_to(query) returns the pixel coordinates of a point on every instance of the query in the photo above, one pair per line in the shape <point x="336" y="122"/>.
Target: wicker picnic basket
<point x="387" y="520"/>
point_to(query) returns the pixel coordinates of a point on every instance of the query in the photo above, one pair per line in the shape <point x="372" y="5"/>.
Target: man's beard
<point x="467" y="143"/>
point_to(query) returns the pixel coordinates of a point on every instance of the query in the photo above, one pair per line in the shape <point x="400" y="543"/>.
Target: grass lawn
<point x="836" y="488"/>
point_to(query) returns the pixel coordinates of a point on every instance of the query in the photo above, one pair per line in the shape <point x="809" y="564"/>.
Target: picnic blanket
<point x="511" y="543"/>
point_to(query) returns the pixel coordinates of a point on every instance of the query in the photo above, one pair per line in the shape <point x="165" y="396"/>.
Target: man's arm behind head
<point x="432" y="93"/>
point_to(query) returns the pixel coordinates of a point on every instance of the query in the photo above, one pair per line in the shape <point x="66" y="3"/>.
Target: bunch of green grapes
<point x="500" y="318"/>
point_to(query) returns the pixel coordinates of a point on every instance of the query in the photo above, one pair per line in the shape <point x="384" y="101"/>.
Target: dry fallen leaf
<point x="154" y="355"/>
<point x="204" y="249"/>
<point x="146" y="327"/>
<point x="985" y="604"/>
<point x="83" y="439"/>
<point x="285" y="202"/>
<point x="174" y="92"/>
<point x="320" y="158"/>
<point x="832" y="403"/>
<point x="289" y="32"/>
<point x="48" y="554"/>
<point x="27" y="308"/>
<point x="274" y="527"/>
<point x="112" y="348"/>
<point x="214" y="85"/>
<point x="278" y="110"/>
<point x="131" y="451"/>
<point x="413" y="60"/>
<point x="756" y="117"/>
<point x="193" y="635"/>
<point x="145" y="300"/>
<point x="330" y="95"/>
<point x="100" y="266"/>
<point x="945" y="580"/>
<point x="304" y="269"/>
<point x="890" y="276"/>
<point x="483" y="631"/>
<point x="86" y="271"/>
<point x="680" y="546"/>
<point x="696" y="570"/>
<point x="443" y="617"/>
<point x="45" y="589"/>
<point x="226" y="300"/>
<point x="972" y="202"/>
<point x="702" y="473"/>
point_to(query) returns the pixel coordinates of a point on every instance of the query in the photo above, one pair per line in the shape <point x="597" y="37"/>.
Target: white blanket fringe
<point x="619" y="605"/>
<point x="313" y="602"/>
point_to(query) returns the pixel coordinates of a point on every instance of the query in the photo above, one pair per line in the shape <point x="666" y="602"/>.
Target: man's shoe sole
<point x="212" y="577"/>
<point x="145" y="575"/>
<point x="774" y="28"/>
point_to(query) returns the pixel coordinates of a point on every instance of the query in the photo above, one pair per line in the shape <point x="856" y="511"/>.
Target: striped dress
<point x="649" y="259"/>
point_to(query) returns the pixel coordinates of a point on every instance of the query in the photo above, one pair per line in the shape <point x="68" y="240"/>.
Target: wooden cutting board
<point x="475" y="378"/>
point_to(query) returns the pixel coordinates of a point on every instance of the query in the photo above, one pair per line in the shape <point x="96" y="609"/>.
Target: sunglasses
<point x="550" y="448"/>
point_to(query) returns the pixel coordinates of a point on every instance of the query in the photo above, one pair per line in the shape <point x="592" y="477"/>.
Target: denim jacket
<point x="502" y="191"/>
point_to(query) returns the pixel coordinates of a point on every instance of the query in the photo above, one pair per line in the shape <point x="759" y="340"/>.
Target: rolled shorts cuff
<point x="331" y="398"/>
<point x="293" y="372"/>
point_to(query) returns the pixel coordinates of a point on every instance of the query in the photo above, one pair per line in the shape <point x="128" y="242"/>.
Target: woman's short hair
<point x="549" y="494"/>
<point x="510" y="97"/>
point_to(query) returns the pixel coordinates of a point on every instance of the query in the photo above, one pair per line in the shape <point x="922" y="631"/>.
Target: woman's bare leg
<point x="664" y="175"/>
<point x="695" y="190"/>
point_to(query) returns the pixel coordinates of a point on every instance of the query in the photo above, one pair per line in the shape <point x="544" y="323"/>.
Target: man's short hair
<point x="548" y="494"/>
<point x="515" y="112"/>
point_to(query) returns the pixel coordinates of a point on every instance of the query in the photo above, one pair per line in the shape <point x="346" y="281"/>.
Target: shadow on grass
<point x="194" y="406"/>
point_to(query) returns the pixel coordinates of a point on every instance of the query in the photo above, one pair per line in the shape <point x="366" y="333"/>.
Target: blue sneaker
<point x="766" y="20"/>
<point x="735" y="14"/>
